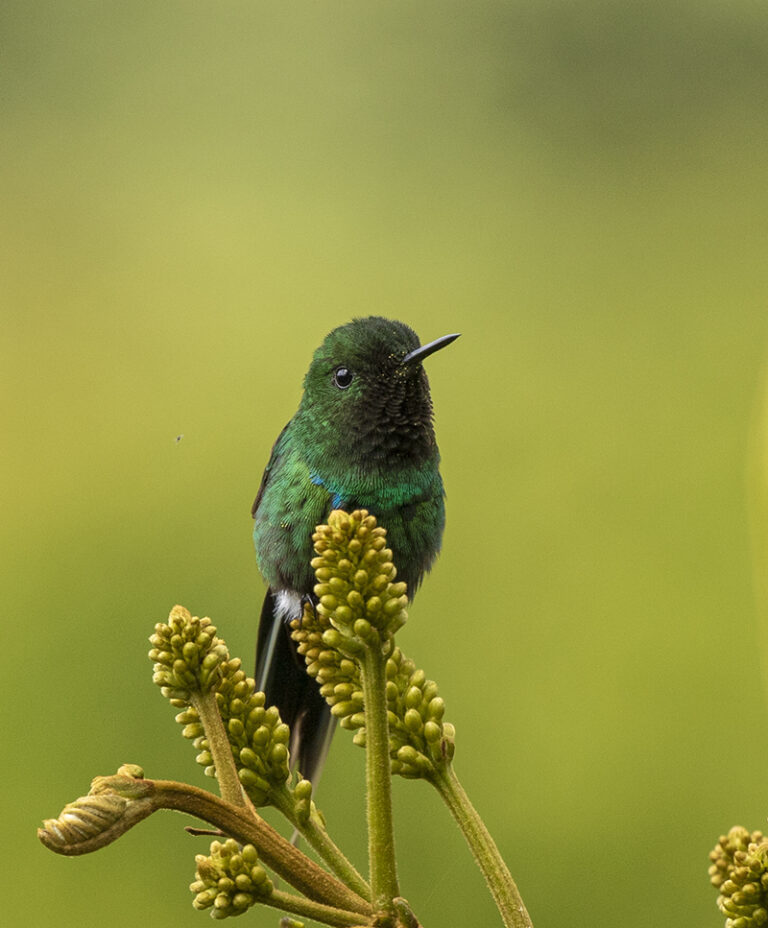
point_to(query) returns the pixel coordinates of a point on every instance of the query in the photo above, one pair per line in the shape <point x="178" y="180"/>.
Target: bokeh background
<point x="193" y="193"/>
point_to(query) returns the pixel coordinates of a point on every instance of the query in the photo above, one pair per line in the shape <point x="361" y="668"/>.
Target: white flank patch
<point x="288" y="605"/>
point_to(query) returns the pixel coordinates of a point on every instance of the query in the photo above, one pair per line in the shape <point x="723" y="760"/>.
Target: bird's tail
<point x="282" y="677"/>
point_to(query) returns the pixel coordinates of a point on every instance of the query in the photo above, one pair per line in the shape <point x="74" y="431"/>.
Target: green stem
<point x="319" y="839"/>
<point x="483" y="847"/>
<point x="378" y="778"/>
<point x="221" y="750"/>
<point x="296" y="905"/>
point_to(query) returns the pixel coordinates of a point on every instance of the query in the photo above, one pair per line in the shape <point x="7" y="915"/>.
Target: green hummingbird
<point x="362" y="438"/>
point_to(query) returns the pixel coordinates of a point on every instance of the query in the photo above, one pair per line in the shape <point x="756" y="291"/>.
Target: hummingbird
<point x="362" y="438"/>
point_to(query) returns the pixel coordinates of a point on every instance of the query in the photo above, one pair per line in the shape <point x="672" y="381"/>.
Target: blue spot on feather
<point x="337" y="500"/>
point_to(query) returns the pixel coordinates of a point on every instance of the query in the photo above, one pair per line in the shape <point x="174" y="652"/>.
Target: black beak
<point x="423" y="351"/>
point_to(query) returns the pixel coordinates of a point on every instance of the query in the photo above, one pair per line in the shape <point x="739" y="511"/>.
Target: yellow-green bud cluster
<point x="355" y="581"/>
<point x="328" y="639"/>
<point x="337" y="675"/>
<point x="187" y="655"/>
<point x="83" y="819"/>
<point x="419" y="739"/>
<point x="257" y="736"/>
<point x="739" y="870"/>
<point x="230" y="880"/>
<point x="191" y="660"/>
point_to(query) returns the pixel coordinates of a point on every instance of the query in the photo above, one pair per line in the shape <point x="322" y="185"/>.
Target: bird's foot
<point x="311" y="600"/>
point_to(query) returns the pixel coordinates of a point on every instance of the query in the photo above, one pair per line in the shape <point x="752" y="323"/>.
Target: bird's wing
<point x="273" y="458"/>
<point x="283" y="530"/>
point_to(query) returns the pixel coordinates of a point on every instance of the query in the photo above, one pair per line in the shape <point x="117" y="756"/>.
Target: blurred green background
<point x="193" y="193"/>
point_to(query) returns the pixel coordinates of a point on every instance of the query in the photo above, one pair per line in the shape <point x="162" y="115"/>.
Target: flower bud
<point x="230" y="880"/>
<point x="739" y="870"/>
<point x="187" y="655"/>
<point x="354" y="582"/>
<point x="359" y="607"/>
<point x="83" y="820"/>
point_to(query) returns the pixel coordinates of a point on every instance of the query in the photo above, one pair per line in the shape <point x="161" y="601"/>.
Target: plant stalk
<point x="318" y="838"/>
<point x="277" y="853"/>
<point x="327" y="915"/>
<point x="378" y="777"/>
<point x="218" y="742"/>
<point x="503" y="889"/>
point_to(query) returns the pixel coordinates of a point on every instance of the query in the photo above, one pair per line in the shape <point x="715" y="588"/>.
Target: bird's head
<point x="366" y="393"/>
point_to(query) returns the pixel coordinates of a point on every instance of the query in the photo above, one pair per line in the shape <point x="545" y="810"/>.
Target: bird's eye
<point x="342" y="377"/>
